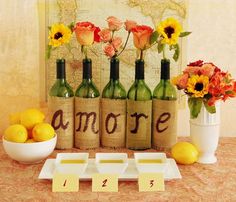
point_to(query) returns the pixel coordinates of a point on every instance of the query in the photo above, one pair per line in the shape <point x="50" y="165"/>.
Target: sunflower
<point x="170" y="30"/>
<point x="59" y="34"/>
<point x="198" y="85"/>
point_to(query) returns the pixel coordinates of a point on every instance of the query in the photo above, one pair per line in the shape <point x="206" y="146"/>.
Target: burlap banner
<point x="113" y="122"/>
<point x="138" y="130"/>
<point x="164" y="129"/>
<point x="61" y="112"/>
<point x="87" y="123"/>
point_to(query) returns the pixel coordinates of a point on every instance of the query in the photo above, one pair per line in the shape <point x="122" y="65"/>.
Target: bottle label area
<point x="61" y="115"/>
<point x="164" y="129"/>
<point x="86" y="122"/>
<point x="113" y="120"/>
<point x="138" y="129"/>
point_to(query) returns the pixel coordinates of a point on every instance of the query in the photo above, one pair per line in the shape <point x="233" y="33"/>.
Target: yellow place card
<point x="105" y="183"/>
<point x="151" y="182"/>
<point x="65" y="182"/>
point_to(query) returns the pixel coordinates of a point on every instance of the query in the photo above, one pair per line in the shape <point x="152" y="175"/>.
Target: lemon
<point x="30" y="141"/>
<point x="184" y="153"/>
<point x="30" y="117"/>
<point x="43" y="132"/>
<point x="16" y="133"/>
<point x="14" y="118"/>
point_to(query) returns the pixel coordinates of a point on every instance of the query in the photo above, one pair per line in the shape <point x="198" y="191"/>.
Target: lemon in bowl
<point x="21" y="148"/>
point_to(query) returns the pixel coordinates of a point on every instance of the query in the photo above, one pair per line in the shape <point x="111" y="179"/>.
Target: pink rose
<point x="130" y="24"/>
<point x="105" y="35"/>
<point x="192" y="70"/>
<point x="116" y="42"/>
<point x="109" y="50"/>
<point x="182" y="81"/>
<point x="142" y="34"/>
<point x="86" y="33"/>
<point x="208" y="69"/>
<point x="114" y="23"/>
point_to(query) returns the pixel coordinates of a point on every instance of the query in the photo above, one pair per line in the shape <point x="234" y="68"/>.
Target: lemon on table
<point x="30" y="141"/>
<point x="30" y="117"/>
<point x="184" y="153"/>
<point x="42" y="132"/>
<point x="16" y="133"/>
<point x="14" y="118"/>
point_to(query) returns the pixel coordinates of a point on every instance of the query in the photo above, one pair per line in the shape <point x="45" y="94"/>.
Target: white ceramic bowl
<point x="29" y="153"/>
<point x="115" y="168"/>
<point x="146" y="167"/>
<point x="75" y="168"/>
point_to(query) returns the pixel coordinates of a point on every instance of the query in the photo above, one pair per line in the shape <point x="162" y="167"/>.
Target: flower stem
<point x="164" y="53"/>
<point x="127" y="39"/>
<point x="141" y="55"/>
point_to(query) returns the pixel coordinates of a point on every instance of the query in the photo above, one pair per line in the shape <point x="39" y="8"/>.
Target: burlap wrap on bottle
<point x="61" y="112"/>
<point x="138" y="130"/>
<point x="164" y="129"/>
<point x="87" y="123"/>
<point x="113" y="115"/>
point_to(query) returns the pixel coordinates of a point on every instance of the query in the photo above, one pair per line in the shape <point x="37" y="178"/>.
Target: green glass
<point x="165" y="90"/>
<point x="87" y="88"/>
<point x="139" y="90"/>
<point x="61" y="88"/>
<point x="114" y="89"/>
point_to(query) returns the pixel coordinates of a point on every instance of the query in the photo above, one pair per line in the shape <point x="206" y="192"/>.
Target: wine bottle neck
<point x="87" y="69"/>
<point x="165" y="69"/>
<point x="139" y="70"/>
<point x="61" y="70"/>
<point x="114" y="68"/>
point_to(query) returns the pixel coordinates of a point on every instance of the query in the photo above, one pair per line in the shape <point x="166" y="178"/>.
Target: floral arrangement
<point x="205" y="83"/>
<point x="114" y="43"/>
<point x="86" y="34"/>
<point x="59" y="35"/>
<point x="167" y="34"/>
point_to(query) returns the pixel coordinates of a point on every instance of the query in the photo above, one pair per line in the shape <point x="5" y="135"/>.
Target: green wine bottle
<point x="87" y="114"/>
<point x="87" y="88"/>
<point x="164" y="111"/>
<point x="114" y="89"/>
<point x="113" y="110"/>
<point x="165" y="90"/>
<point x="139" y="111"/>
<point x="139" y="91"/>
<point x="61" y="88"/>
<point x="61" y="108"/>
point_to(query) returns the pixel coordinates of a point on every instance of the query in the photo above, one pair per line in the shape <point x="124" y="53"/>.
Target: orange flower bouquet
<point x="205" y="83"/>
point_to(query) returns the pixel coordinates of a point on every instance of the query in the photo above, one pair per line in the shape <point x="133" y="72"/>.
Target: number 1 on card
<point x="65" y="183"/>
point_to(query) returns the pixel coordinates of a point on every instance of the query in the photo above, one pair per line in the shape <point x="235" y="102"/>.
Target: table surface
<point x="216" y="182"/>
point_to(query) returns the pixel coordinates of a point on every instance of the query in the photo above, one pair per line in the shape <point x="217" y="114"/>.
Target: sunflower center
<point x="58" y="35"/>
<point x="169" y="31"/>
<point x="198" y="87"/>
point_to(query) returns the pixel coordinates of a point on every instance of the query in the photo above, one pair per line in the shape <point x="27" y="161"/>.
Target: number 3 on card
<point x="65" y="183"/>
<point x="151" y="182"/>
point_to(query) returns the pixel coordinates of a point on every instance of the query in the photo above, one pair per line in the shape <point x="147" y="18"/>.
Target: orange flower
<point x="86" y="33"/>
<point x="142" y="34"/>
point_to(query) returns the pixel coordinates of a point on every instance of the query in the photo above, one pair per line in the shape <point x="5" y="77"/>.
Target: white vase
<point x="204" y="133"/>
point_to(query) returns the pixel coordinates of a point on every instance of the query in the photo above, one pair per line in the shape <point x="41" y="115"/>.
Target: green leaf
<point x="195" y="105"/>
<point x="176" y="54"/>
<point x="210" y="109"/>
<point x="153" y="37"/>
<point x="48" y="51"/>
<point x="49" y="27"/>
<point x="183" y="34"/>
<point x="160" y="47"/>
<point x="71" y="26"/>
